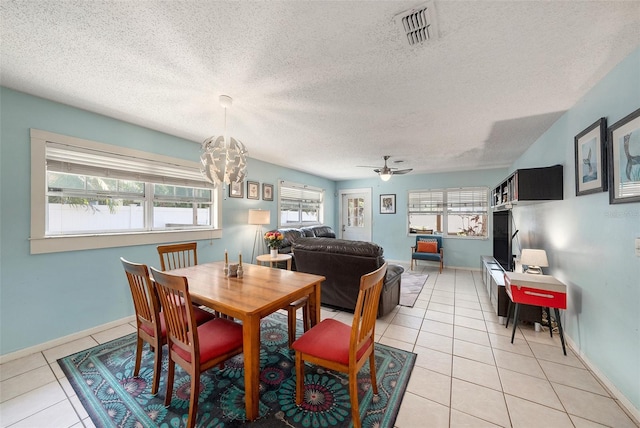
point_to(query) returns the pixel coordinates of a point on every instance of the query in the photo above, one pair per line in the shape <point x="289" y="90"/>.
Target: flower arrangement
<point x="274" y="239"/>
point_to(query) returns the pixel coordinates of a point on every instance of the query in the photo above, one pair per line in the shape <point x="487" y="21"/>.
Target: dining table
<point x="259" y="292"/>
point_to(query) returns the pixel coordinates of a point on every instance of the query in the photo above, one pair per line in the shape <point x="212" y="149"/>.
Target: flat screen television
<point x="502" y="239"/>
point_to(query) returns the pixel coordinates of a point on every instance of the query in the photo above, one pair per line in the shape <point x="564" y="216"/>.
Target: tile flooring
<point x="467" y="373"/>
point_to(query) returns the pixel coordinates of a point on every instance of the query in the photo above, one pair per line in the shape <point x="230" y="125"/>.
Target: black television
<point x="502" y="239"/>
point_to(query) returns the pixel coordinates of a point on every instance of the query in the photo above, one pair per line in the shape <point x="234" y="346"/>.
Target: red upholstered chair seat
<point x="217" y="337"/>
<point x="328" y="340"/>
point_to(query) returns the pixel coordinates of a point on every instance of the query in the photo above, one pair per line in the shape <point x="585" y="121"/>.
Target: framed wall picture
<point x="253" y="190"/>
<point x="591" y="159"/>
<point x="388" y="204"/>
<point x="236" y="190"/>
<point x="624" y="159"/>
<point x="267" y="192"/>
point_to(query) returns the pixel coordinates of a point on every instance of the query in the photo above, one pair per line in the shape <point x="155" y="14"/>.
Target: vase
<point x="274" y="252"/>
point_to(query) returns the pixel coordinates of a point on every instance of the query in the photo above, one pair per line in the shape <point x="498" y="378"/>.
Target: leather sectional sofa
<point x="292" y="234"/>
<point x="343" y="262"/>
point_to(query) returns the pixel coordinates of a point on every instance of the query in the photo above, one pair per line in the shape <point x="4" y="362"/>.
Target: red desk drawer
<point x="535" y="290"/>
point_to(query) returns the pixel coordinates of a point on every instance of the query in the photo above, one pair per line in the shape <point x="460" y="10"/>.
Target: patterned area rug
<point x="410" y="287"/>
<point x="103" y="379"/>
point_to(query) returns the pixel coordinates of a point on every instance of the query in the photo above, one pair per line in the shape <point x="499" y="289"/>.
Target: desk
<point x="264" y="258"/>
<point x="538" y="290"/>
<point x="260" y="292"/>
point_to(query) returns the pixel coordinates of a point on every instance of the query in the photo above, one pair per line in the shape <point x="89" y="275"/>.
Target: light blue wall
<point x="390" y="230"/>
<point x="47" y="296"/>
<point x="590" y="243"/>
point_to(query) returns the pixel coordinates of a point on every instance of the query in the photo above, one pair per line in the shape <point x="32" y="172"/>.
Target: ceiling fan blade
<point x="377" y="170"/>
<point x="402" y="171"/>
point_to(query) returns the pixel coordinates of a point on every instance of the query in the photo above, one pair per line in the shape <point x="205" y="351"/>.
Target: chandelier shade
<point x="223" y="159"/>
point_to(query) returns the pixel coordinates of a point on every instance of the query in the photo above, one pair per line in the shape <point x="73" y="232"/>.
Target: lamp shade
<point x="259" y="217"/>
<point x="531" y="257"/>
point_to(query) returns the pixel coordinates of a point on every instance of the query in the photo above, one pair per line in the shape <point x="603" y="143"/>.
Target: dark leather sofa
<point x="292" y="234"/>
<point x="343" y="262"/>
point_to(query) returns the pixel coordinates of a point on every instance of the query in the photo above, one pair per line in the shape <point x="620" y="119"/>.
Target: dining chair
<point x="338" y="346"/>
<point x="147" y="308"/>
<point x="292" y="308"/>
<point x="175" y="256"/>
<point x="194" y="348"/>
<point x="150" y="321"/>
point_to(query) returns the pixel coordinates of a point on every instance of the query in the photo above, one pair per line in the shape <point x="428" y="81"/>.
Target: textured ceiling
<point x="323" y="86"/>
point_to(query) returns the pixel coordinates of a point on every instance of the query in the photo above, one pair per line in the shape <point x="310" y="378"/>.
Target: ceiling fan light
<point x="385" y="176"/>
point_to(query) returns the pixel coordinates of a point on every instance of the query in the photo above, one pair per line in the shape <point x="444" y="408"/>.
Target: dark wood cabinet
<point x="529" y="185"/>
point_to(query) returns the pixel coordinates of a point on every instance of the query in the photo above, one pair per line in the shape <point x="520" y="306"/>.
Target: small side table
<point x="266" y="258"/>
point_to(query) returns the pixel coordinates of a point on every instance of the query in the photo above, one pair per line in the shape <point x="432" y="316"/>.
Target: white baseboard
<point x="62" y="340"/>
<point x="631" y="410"/>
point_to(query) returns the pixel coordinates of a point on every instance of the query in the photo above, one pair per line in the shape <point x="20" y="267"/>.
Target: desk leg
<point x="559" y="329"/>
<point x="251" y="343"/>
<point x="515" y="321"/>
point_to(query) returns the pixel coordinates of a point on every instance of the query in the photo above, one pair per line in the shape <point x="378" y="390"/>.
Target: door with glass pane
<point x="355" y="217"/>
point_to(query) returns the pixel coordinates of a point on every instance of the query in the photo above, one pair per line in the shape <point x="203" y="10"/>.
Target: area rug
<point x="102" y="378"/>
<point x="410" y="287"/>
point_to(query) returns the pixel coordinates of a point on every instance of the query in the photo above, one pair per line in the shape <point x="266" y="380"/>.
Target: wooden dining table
<point x="260" y="292"/>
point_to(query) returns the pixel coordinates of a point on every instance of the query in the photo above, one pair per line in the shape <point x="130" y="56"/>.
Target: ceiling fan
<point x="386" y="172"/>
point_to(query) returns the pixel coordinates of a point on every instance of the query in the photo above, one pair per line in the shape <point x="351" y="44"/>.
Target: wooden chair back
<point x="173" y="292"/>
<point x="366" y="311"/>
<point x="175" y="256"/>
<point x="147" y="308"/>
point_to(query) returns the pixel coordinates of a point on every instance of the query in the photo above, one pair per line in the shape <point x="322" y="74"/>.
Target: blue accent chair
<point x="438" y="256"/>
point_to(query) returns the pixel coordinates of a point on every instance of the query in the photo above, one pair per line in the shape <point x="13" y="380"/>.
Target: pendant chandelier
<point x="223" y="158"/>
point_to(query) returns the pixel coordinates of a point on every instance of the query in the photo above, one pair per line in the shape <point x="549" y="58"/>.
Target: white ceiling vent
<point x="418" y="25"/>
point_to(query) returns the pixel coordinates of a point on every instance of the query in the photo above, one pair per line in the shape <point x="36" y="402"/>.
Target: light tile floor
<point x="467" y="372"/>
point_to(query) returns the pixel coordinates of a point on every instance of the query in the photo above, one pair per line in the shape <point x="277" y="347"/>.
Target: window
<point x="451" y="212"/>
<point x="92" y="195"/>
<point x="299" y="205"/>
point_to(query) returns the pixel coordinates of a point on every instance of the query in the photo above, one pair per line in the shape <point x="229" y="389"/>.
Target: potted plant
<point x="274" y="241"/>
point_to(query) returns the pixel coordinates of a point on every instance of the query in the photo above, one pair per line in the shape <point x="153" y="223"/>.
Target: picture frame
<point x="591" y="159"/>
<point x="624" y="159"/>
<point x="253" y="190"/>
<point x="388" y="203"/>
<point x="267" y="192"/>
<point x="236" y="190"/>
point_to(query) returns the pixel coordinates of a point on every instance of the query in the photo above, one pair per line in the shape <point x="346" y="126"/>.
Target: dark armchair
<point x="428" y="247"/>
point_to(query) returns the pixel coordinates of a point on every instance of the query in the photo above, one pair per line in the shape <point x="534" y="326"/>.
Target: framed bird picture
<point x="624" y="159"/>
<point x="591" y="159"/>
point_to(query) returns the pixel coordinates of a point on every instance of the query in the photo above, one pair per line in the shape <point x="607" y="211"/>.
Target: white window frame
<point x="444" y="210"/>
<point x="302" y="188"/>
<point x="40" y="243"/>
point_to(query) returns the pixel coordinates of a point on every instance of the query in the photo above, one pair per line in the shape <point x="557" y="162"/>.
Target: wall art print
<point x="591" y="155"/>
<point x="624" y="159"/>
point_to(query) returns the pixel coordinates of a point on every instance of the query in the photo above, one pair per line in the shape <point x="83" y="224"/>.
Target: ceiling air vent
<point x="418" y="25"/>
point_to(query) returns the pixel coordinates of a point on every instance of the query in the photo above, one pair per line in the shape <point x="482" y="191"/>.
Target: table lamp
<point x="259" y="218"/>
<point x="535" y="260"/>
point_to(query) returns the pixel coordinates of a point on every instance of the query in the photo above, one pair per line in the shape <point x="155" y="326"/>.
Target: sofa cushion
<point x="319" y="232"/>
<point x="339" y="246"/>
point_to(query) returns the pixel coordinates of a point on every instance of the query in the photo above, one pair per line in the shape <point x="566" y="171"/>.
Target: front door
<point x="355" y="217"/>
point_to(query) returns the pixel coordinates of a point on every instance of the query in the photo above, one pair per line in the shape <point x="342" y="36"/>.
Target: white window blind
<point x="426" y="202"/>
<point x="467" y="200"/>
<point x="73" y="159"/>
